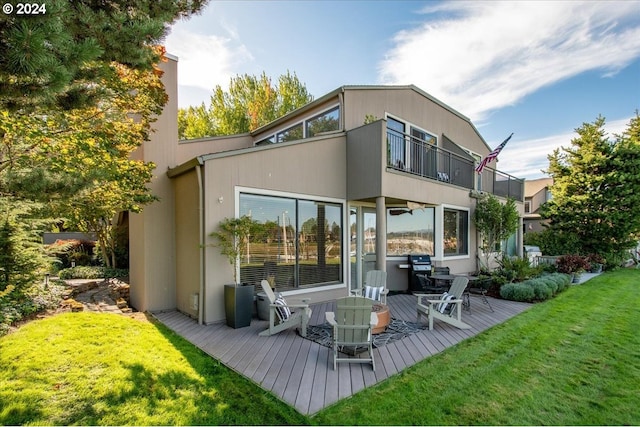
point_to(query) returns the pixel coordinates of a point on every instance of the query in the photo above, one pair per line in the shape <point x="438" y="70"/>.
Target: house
<point x="355" y="180"/>
<point x="536" y="193"/>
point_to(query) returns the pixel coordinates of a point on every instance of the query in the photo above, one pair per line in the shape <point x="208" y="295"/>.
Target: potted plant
<point x="574" y="265"/>
<point x="233" y="235"/>
<point x="596" y="262"/>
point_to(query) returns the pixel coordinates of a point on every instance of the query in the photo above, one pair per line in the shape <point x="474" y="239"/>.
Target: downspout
<point x="198" y="169"/>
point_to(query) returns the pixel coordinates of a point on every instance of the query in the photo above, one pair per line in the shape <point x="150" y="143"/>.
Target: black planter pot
<point x="238" y="305"/>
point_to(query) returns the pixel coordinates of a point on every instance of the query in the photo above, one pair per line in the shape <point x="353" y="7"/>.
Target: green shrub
<point x="541" y="291"/>
<point x="572" y="264"/>
<point x="84" y="272"/>
<point x="550" y="283"/>
<point x="516" y="268"/>
<point x="563" y="280"/>
<point x="517" y="292"/>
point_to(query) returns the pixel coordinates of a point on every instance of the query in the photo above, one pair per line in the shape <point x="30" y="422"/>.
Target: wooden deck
<point x="300" y="372"/>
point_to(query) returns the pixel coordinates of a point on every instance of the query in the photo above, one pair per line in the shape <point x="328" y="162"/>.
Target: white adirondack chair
<point x="446" y="307"/>
<point x="374" y="280"/>
<point x="351" y="324"/>
<point x="284" y="316"/>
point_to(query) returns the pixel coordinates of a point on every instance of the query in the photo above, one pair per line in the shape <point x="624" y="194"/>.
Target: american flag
<point x="492" y="155"/>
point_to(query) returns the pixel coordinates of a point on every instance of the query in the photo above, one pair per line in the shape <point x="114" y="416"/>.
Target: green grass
<point x="572" y="360"/>
<point x="103" y="369"/>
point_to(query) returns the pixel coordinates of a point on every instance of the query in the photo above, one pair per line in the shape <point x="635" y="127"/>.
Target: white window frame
<point x="440" y="232"/>
<point x="345" y="230"/>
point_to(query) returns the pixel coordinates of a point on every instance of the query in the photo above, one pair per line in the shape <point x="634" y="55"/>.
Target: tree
<point x="495" y="222"/>
<point x="78" y="162"/>
<point x="251" y="102"/>
<point x="54" y="59"/>
<point x="596" y="188"/>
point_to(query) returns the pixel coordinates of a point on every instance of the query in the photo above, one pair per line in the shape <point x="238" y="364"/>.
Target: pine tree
<point x="54" y="58"/>
<point x="596" y="189"/>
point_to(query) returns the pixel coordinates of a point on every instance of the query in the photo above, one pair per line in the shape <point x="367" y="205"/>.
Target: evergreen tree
<point x="55" y="58"/>
<point x="596" y="189"/>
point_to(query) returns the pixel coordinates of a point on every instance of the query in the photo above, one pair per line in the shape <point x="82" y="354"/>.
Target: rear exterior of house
<point x="356" y="180"/>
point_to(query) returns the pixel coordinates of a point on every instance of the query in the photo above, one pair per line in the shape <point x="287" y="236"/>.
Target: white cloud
<point x="487" y="55"/>
<point x="526" y="159"/>
<point x="205" y="61"/>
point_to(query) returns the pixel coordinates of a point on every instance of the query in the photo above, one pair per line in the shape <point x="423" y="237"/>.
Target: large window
<point x="295" y="242"/>
<point x="456" y="232"/>
<point x="410" y="232"/>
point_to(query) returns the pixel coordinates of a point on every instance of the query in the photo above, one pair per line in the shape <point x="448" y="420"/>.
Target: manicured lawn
<point x="572" y="360"/>
<point x="105" y="369"/>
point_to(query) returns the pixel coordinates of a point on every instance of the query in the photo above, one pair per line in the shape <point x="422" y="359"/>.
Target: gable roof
<point x="340" y="90"/>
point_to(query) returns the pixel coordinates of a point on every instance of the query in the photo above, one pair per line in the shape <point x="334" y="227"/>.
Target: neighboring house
<point x="332" y="198"/>
<point x="536" y="193"/>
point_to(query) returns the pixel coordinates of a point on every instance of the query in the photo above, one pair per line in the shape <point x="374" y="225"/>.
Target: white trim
<point x="409" y="125"/>
<point x="304" y="121"/>
<point x="458" y="208"/>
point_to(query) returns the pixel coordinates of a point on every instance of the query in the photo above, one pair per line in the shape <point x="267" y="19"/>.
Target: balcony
<point x="418" y="157"/>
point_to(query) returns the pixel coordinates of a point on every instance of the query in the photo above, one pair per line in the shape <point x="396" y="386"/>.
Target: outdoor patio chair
<point x="446" y="307"/>
<point x="352" y="324"/>
<point x="283" y="315"/>
<point x="375" y="286"/>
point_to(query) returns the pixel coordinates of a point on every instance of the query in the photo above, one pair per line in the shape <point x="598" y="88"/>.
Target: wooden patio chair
<point x="351" y="325"/>
<point x="375" y="286"/>
<point x="446" y="307"/>
<point x="283" y="316"/>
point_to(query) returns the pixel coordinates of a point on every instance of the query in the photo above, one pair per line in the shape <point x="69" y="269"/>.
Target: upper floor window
<point x="325" y="122"/>
<point x="527" y="206"/>
<point x="291" y="134"/>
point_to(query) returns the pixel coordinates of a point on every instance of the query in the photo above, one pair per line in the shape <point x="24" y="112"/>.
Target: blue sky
<point x="538" y="69"/>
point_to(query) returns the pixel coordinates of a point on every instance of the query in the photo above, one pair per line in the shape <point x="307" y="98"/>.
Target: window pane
<point x="294" y="242"/>
<point x="270" y="253"/>
<point x="410" y="232"/>
<point x="291" y="134"/>
<point x="325" y="122"/>
<point x="396" y="143"/>
<point x="456" y="232"/>
<point x="319" y="242"/>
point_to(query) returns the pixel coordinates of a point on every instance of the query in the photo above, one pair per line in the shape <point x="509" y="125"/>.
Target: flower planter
<point x="238" y="305"/>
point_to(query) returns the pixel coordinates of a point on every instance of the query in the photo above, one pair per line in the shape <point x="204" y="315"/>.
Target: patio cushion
<point x="442" y="307"/>
<point x="283" y="311"/>
<point x="373" y="292"/>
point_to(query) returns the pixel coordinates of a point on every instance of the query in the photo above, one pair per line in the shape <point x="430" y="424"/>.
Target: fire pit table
<point x="384" y="317"/>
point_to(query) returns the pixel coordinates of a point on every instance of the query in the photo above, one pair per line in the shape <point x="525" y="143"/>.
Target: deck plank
<point x="300" y="372"/>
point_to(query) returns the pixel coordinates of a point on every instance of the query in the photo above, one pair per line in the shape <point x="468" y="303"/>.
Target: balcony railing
<point x="418" y="157"/>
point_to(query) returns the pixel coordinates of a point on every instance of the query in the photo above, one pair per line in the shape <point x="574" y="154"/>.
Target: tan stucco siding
<point x="188" y="268"/>
<point x="411" y="106"/>
<point x="151" y="232"/>
<point x="314" y="168"/>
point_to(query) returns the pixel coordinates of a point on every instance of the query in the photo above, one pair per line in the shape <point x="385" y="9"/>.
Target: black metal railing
<point x="502" y="184"/>
<point x="418" y="157"/>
